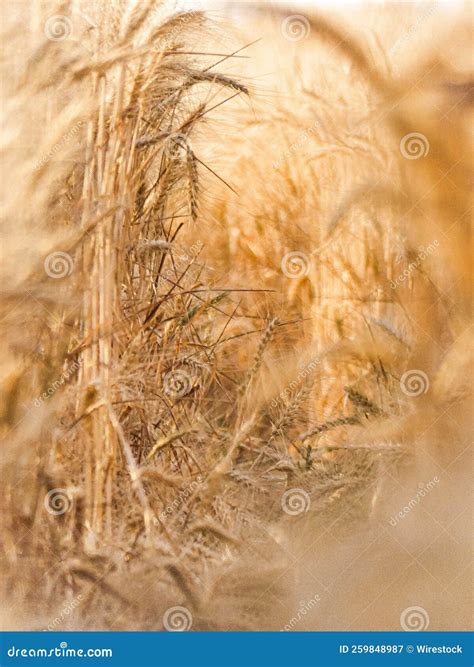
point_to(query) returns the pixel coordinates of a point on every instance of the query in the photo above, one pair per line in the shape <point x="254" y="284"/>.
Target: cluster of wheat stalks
<point x="156" y="397"/>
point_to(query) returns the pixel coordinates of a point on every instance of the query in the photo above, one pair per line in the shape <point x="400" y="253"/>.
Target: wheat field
<point x="235" y="313"/>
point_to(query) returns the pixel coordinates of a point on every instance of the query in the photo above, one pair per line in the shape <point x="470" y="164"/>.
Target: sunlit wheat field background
<point x="236" y="316"/>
